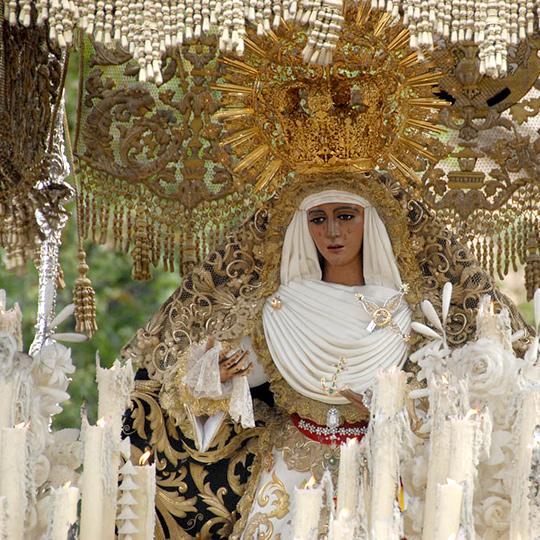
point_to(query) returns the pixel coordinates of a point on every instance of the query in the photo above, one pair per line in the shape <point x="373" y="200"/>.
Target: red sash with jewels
<point x="329" y="435"/>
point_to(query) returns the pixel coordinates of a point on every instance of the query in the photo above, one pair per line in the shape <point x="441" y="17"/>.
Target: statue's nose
<point x="333" y="228"/>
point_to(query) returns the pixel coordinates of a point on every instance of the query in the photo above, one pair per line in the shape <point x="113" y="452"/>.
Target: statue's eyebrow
<point x="353" y="208"/>
<point x="316" y="211"/>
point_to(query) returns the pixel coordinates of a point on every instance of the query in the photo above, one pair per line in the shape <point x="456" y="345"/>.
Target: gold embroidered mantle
<point x="225" y="295"/>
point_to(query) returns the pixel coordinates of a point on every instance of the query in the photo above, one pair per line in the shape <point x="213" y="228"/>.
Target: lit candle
<point x="114" y="388"/>
<point x="344" y="527"/>
<point x="349" y="478"/>
<point x="493" y="326"/>
<point x="146" y="499"/>
<point x="13" y="478"/>
<point x="92" y="483"/>
<point x="64" y="511"/>
<point x="449" y="498"/>
<point x="308" y="502"/>
<point x="388" y="402"/>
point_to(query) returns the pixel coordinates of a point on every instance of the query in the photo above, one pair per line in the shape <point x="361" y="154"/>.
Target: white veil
<point x="320" y="322"/>
<point x="300" y="260"/>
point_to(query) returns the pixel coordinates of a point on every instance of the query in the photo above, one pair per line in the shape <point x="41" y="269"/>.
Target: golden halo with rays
<point x="372" y="107"/>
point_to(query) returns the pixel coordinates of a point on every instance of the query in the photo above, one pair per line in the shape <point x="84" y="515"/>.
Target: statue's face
<point x="338" y="231"/>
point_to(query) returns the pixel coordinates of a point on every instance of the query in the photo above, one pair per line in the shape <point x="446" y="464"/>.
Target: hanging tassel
<point x="532" y="275"/>
<point x="84" y="299"/>
<point x="140" y="252"/>
<point x="188" y="253"/>
<point x="532" y="262"/>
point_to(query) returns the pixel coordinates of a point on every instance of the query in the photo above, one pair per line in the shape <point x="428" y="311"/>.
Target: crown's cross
<point x="382" y="316"/>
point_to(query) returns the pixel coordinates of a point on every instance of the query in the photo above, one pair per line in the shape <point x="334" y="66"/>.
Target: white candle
<point x="390" y="389"/>
<point x="7" y="391"/>
<point x="493" y="326"/>
<point x="382" y="530"/>
<point x="308" y="502"/>
<point x="343" y="528"/>
<point x="146" y="501"/>
<point x="439" y="456"/>
<point x="349" y="478"/>
<point x="524" y="427"/>
<point x="114" y="387"/>
<point x="11" y="322"/>
<point x="111" y="461"/>
<point x="64" y="501"/>
<point x="463" y="460"/>
<point x="3" y="518"/>
<point x="389" y="399"/>
<point x="449" y="498"/>
<point x="92" y="483"/>
<point x="462" y="449"/>
<point x="13" y="479"/>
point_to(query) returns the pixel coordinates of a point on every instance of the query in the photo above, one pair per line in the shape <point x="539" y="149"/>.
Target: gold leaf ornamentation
<point x="349" y="116"/>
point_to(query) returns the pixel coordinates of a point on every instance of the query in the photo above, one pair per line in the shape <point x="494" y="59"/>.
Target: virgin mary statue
<point x="252" y="373"/>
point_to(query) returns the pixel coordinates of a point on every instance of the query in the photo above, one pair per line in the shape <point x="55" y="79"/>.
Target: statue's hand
<point x="355" y="399"/>
<point x="231" y="365"/>
<point x="234" y="365"/>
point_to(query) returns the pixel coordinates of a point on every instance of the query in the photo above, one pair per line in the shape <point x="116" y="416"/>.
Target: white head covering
<point x="300" y="259"/>
<point x="320" y="322"/>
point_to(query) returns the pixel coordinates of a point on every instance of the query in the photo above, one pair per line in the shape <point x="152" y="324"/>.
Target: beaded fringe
<point x="502" y="241"/>
<point x="147" y="28"/>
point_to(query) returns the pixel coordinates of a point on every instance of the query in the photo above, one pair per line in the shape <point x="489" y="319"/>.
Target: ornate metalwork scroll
<point x="152" y="171"/>
<point x="488" y="190"/>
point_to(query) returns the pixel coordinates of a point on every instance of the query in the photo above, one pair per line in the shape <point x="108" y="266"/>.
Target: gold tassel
<point x="84" y="299"/>
<point x="188" y="252"/>
<point x="532" y="261"/>
<point x="140" y="252"/>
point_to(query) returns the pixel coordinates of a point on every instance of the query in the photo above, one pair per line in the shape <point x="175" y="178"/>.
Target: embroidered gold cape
<point x="204" y="494"/>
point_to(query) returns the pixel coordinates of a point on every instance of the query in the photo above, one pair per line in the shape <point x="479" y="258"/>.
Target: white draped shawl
<point x="320" y="322"/>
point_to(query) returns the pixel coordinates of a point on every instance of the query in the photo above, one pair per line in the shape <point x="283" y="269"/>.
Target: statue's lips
<point x="334" y="248"/>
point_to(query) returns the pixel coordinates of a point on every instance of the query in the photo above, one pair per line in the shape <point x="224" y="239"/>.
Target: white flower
<point x="432" y="360"/>
<point x="490" y="369"/>
<point x="55" y="363"/>
<point x="500" y="441"/>
<point x="497" y="514"/>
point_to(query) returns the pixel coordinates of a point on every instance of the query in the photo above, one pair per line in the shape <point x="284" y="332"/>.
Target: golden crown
<point x="371" y="107"/>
